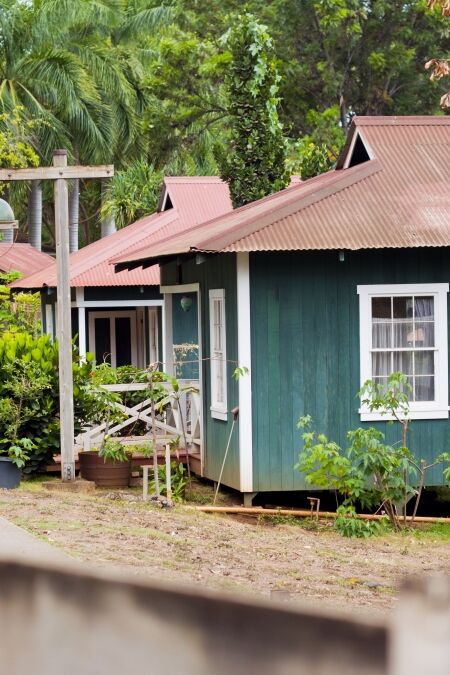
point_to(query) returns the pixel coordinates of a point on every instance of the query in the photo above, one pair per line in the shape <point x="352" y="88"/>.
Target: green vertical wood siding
<point x="305" y="352"/>
<point x="215" y="272"/>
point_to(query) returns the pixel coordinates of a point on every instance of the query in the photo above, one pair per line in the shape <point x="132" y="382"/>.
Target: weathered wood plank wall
<point x="305" y="351"/>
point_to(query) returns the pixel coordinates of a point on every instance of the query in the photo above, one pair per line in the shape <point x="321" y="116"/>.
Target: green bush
<point x="178" y="478"/>
<point x="29" y="399"/>
<point x="348" y="524"/>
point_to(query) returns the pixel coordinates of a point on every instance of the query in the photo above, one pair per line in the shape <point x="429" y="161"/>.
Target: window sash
<point x="218" y="362"/>
<point x="435" y="343"/>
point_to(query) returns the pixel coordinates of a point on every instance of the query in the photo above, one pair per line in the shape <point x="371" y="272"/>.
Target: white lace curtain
<point x="403" y="327"/>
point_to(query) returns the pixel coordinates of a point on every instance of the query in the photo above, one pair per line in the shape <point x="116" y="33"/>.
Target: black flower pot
<point x="9" y="474"/>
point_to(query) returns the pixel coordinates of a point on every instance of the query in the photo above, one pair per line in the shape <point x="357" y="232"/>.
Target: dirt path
<point x="219" y="552"/>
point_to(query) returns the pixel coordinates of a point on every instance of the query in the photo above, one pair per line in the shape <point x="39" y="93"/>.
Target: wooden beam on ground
<point x="55" y="172"/>
<point x="303" y="513"/>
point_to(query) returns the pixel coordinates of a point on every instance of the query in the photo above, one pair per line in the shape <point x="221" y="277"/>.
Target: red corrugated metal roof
<point x="399" y="199"/>
<point x="91" y="265"/>
<point x="22" y="258"/>
<point x="198" y="198"/>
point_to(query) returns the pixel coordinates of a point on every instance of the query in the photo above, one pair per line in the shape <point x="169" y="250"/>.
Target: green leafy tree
<point x="318" y="151"/>
<point x="21" y="312"/>
<point x="254" y="164"/>
<point x="370" y="472"/>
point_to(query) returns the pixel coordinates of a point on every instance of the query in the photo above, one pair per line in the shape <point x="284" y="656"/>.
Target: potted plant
<point x="109" y="466"/>
<point x="12" y="458"/>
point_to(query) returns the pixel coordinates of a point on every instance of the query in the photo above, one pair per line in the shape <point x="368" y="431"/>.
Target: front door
<point x="112" y="337"/>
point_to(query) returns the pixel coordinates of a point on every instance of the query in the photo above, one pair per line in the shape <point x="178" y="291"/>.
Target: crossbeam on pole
<point x="56" y="172"/>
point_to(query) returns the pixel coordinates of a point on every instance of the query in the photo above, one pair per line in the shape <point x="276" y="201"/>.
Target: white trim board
<point x="129" y="304"/>
<point x="245" y="381"/>
<point x="218" y="410"/>
<point x="180" y="288"/>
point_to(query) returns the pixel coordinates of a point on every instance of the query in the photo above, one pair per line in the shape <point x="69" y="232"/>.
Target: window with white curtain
<point x="218" y="353"/>
<point x="403" y="327"/>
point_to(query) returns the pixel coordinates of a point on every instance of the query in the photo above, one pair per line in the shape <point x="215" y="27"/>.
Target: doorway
<point x="112" y="337"/>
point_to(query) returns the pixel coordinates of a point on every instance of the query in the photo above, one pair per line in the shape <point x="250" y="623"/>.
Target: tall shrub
<point x="254" y="164"/>
<point x="29" y="398"/>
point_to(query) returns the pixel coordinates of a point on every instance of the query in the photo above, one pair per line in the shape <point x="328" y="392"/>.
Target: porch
<point x="179" y="424"/>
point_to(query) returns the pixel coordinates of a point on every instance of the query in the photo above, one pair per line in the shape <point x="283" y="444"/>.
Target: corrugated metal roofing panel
<point x="91" y="265"/>
<point x="22" y="258"/>
<point x="198" y="198"/>
<point x="400" y="199"/>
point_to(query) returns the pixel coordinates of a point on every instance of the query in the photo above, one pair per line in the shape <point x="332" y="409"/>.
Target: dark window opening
<point x="359" y="154"/>
<point x="168" y="204"/>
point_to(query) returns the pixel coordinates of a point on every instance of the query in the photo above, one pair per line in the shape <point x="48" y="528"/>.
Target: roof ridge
<point x="401" y="120"/>
<point x="194" y="179"/>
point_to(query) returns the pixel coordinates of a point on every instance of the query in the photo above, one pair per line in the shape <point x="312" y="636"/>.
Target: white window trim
<point x="218" y="410"/>
<point x="438" y="409"/>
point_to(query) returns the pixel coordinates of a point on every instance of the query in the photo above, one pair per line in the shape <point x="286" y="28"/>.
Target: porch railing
<point x="181" y="419"/>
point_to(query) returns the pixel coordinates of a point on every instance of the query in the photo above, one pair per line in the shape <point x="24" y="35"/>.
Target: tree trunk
<point x="74" y="214"/>
<point x="343" y="114"/>
<point x="35" y="215"/>
<point x="108" y="222"/>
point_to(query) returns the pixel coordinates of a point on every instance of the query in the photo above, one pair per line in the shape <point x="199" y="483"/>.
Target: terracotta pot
<point x="104" y="474"/>
<point x="10" y="475"/>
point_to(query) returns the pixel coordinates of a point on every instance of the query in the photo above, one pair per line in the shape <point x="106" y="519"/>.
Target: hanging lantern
<point x="186" y="303"/>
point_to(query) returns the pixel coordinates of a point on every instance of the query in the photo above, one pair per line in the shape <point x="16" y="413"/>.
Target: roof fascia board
<point x="163" y="198"/>
<point x="348" y="147"/>
<point x="343" y="180"/>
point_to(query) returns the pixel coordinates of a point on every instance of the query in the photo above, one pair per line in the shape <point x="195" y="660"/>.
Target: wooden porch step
<point x="138" y="461"/>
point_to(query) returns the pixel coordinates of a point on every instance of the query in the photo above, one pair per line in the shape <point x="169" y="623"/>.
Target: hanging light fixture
<point x="186" y="303"/>
<point x="7" y="220"/>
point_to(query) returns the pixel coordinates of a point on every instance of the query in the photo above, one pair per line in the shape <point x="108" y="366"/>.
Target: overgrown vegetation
<point x="178" y="481"/>
<point x="369" y="473"/>
<point x="29" y="398"/>
<point x="22" y="312"/>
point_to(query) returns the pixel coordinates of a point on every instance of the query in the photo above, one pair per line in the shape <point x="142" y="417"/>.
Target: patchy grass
<point x="299" y="557"/>
<point x="434" y="531"/>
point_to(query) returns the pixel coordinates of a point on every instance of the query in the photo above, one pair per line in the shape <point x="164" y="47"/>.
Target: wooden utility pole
<point x="60" y="173"/>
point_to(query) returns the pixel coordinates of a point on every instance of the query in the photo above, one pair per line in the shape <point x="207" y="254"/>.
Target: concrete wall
<point x="65" y="620"/>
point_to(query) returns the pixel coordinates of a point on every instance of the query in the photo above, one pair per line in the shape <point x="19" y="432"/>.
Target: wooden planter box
<point x="104" y="474"/>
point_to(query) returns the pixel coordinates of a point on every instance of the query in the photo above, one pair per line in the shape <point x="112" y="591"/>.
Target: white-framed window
<point x="403" y="327"/>
<point x="217" y="331"/>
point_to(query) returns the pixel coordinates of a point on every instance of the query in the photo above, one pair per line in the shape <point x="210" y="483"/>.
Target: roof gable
<point x="192" y="200"/>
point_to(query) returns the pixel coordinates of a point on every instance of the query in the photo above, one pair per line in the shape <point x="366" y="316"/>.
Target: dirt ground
<point x="288" y="559"/>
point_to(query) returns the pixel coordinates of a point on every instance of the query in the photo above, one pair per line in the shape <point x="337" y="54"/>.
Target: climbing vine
<point x="254" y="163"/>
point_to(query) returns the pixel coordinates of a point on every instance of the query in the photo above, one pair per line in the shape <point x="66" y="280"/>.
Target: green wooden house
<point x="118" y="317"/>
<point x="315" y="289"/>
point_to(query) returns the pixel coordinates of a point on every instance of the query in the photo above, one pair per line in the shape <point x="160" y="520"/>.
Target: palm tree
<point x="71" y="64"/>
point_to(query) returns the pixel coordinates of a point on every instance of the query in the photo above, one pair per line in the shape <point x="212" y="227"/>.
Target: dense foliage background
<point x="140" y="83"/>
